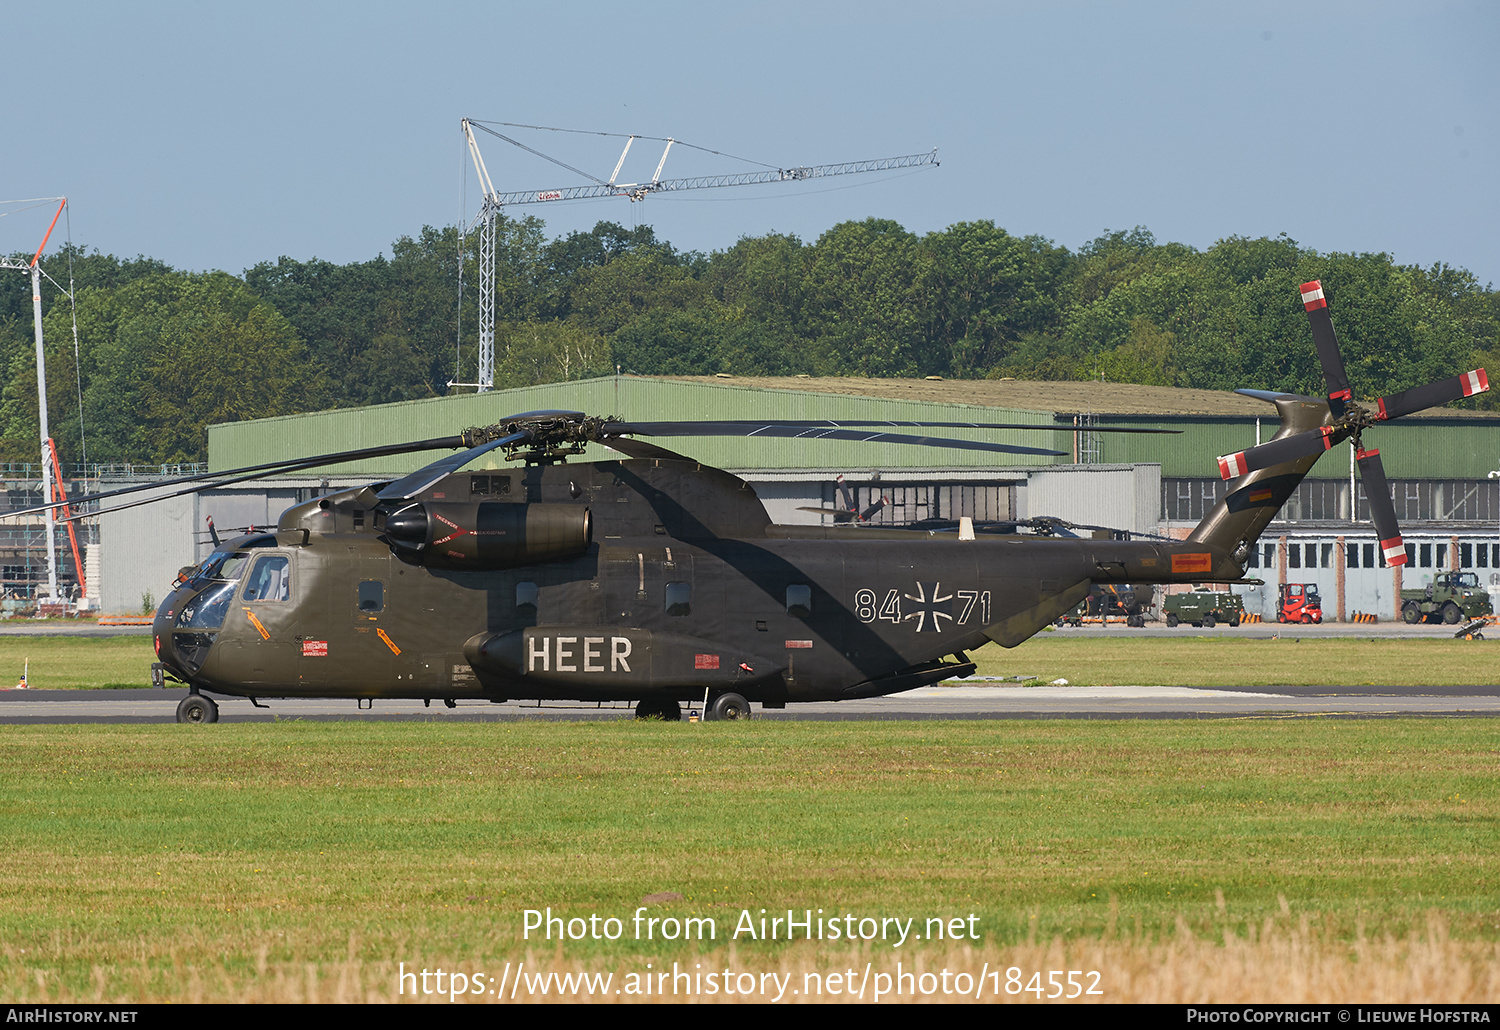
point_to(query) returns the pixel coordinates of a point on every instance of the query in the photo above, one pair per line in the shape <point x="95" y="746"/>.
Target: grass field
<point x="1207" y="861"/>
<point x="1080" y="656"/>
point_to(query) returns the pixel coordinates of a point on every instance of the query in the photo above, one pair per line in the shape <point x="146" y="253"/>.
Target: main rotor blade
<point x="292" y="465"/>
<point x="1275" y="452"/>
<point x="1327" y="343"/>
<point x="806" y="432"/>
<point x="1430" y="396"/>
<point x="1382" y="511"/>
<point x="826" y="423"/>
<point x="407" y="487"/>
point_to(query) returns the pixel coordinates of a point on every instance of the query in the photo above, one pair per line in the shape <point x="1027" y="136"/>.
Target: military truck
<point x="1450" y="597"/>
<point x="1204" y="608"/>
<point x="1112" y="601"/>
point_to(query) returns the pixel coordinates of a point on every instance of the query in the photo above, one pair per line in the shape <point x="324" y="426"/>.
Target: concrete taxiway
<point x="960" y="701"/>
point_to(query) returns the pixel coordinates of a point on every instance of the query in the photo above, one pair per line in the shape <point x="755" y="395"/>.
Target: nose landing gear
<point x="197" y="708"/>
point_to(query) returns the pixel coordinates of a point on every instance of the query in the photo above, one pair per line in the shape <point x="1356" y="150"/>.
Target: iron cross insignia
<point x="930" y="605"/>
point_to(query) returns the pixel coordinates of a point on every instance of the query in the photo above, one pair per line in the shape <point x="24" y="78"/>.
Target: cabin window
<point x="526" y="598"/>
<point x="799" y="600"/>
<point x="270" y="580"/>
<point x="679" y="598"/>
<point x="371" y="596"/>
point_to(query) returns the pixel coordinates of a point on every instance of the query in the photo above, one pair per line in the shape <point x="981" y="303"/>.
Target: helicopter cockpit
<point x="196" y="610"/>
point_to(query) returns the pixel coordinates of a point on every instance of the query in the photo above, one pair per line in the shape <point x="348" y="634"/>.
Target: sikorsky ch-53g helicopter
<point x="657" y="580"/>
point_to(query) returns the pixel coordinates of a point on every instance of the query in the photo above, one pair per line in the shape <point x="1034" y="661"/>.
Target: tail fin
<point x="1236" y="522"/>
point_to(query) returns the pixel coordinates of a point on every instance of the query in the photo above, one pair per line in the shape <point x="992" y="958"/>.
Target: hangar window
<point x="1294" y="557"/>
<point x="1425" y="550"/>
<point x="1351" y="555"/>
<point x="799" y="600"/>
<point x="1369" y="562"/>
<point x="679" y="599"/>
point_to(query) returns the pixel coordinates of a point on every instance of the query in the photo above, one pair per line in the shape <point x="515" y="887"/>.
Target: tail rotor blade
<point x="1327" y="342"/>
<point x="846" y="497"/>
<point x="1381" y="510"/>
<point x="1276" y="452"/>
<point x="1433" y="394"/>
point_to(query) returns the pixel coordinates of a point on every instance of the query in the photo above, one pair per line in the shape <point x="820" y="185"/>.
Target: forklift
<point x="1299" y="602"/>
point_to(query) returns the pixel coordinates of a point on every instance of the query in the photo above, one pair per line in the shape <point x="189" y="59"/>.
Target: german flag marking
<point x="396" y="650"/>
<point x="1190" y="563"/>
<point x="1312" y="295"/>
<point x="256" y="623"/>
<point x="1256" y="496"/>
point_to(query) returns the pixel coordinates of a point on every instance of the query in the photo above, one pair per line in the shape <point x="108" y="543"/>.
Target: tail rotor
<point x="1348" y="419"/>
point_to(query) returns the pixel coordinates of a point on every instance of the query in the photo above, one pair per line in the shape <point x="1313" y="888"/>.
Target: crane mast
<point x="494" y="203"/>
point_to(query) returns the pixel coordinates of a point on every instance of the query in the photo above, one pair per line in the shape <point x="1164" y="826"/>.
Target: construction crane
<point x="49" y="451"/>
<point x="495" y="202"/>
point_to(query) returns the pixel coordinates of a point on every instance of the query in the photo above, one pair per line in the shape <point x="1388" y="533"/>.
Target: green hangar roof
<point x="1448" y="444"/>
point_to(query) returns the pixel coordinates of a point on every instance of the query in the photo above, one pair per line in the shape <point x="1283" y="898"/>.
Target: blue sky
<point x="216" y="135"/>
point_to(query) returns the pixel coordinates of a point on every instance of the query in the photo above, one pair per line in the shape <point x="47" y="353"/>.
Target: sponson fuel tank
<point x="487" y="535"/>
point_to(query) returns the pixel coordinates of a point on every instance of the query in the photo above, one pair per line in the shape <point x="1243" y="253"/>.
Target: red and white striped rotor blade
<point x="1327" y="342"/>
<point x="1276" y="452"/>
<point x="1430" y="396"/>
<point x="1382" y="511"/>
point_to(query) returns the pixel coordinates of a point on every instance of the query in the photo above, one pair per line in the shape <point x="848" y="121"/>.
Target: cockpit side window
<point x="232" y="567"/>
<point x="270" y="580"/>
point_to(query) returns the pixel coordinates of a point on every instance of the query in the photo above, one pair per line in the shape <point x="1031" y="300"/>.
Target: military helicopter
<point x="657" y="580"/>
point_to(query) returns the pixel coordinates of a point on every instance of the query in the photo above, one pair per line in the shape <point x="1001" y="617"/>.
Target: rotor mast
<point x="494" y="202"/>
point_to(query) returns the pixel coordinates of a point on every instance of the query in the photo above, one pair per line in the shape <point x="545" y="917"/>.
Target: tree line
<point x="162" y="353"/>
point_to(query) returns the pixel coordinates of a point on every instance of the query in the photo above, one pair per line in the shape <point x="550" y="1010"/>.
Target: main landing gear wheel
<point x="729" y="707"/>
<point x="197" y="708"/>
<point x="651" y="708"/>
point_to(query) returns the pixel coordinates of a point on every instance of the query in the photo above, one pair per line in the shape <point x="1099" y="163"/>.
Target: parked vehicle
<point x="1449" y="598"/>
<point x="1206" y="608"/>
<point x="1299" y="602"/>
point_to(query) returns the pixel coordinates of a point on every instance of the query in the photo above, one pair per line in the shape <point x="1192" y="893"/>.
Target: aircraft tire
<point x="728" y="708"/>
<point x="197" y="708"/>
